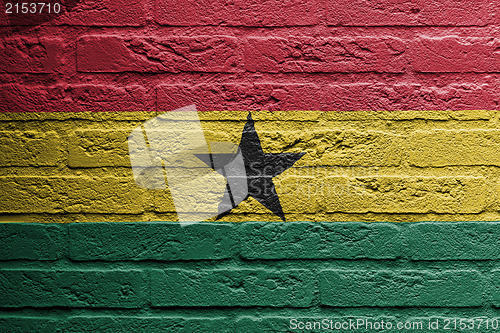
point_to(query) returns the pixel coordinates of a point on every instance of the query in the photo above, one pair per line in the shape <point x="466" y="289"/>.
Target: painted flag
<point x="305" y="120"/>
<point x="237" y="166"/>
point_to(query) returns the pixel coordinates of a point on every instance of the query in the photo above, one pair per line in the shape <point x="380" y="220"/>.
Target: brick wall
<point x="251" y="277"/>
<point x="402" y="127"/>
<point x="272" y="55"/>
<point x="404" y="166"/>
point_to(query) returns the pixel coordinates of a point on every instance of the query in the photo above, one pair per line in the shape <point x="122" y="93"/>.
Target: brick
<point x="90" y="148"/>
<point x="313" y="240"/>
<point x="105" y="13"/>
<point x="232" y="287"/>
<point x="296" y="194"/>
<point x="361" y="116"/>
<point x="197" y="200"/>
<point x="452" y="241"/>
<point x="454" y="147"/>
<point x="355" y="288"/>
<point x="453" y="54"/>
<point x="22" y="324"/>
<point x="74" y="97"/>
<point x="102" y="53"/>
<point x="30" y="148"/>
<point x="341" y="147"/>
<point x="240" y="96"/>
<point x="71" y="194"/>
<point x="31" y="55"/>
<point x="213" y="120"/>
<point x="302" y="117"/>
<point x="79" y="118"/>
<point x="151" y="241"/>
<point x="309" y="324"/>
<point x="325" y="54"/>
<point x="458" y="96"/>
<point x="72" y="288"/>
<point x="404" y="13"/>
<point x="368" y="96"/>
<point x="32" y="241"/>
<point x="153" y="324"/>
<point x="394" y="194"/>
<point x="495" y="280"/>
<point x="408" y="96"/>
<point x="82" y="12"/>
<point x="334" y="146"/>
<point x="247" y="13"/>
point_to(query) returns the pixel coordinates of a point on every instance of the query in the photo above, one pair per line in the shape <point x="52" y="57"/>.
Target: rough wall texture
<point x="402" y="127"/>
<point x="248" y="277"/>
<point x="400" y="166"/>
<point x="252" y="55"/>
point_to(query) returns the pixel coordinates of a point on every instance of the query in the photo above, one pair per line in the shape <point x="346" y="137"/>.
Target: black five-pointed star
<point x="261" y="168"/>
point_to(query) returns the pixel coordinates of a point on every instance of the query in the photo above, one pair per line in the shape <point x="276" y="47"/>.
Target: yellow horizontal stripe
<point x="363" y="166"/>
